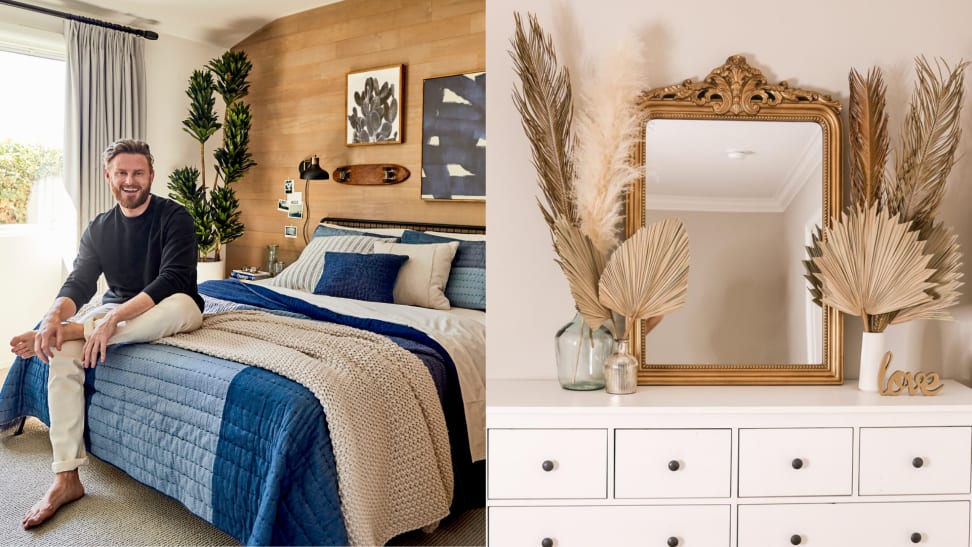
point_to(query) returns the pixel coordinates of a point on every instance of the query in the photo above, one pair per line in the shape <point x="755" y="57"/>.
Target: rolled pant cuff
<point x="69" y="465"/>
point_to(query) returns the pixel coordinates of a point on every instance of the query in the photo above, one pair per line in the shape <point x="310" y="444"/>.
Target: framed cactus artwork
<point x="374" y="106"/>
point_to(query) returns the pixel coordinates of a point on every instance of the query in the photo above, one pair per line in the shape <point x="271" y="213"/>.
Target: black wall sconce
<point x="310" y="169"/>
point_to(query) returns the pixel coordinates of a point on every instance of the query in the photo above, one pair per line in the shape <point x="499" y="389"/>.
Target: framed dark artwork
<point x="454" y="137"/>
<point x="374" y="106"/>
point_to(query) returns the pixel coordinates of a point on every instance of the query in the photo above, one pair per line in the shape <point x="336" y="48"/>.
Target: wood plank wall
<point x="297" y="98"/>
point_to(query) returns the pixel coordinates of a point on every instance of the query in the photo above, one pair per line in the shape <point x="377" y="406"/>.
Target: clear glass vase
<point x="581" y="353"/>
<point x="621" y="370"/>
<point x="271" y="258"/>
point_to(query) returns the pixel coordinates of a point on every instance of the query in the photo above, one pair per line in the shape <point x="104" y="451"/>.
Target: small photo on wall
<point x="282" y="205"/>
<point x="290" y="231"/>
<point x="374" y="106"/>
<point x="295" y="210"/>
<point x="288" y="186"/>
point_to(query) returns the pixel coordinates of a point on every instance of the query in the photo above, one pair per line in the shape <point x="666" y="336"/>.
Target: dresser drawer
<point x="645" y="526"/>
<point x="672" y="463"/>
<point x="795" y="462"/>
<point x="927" y="524"/>
<point x="547" y="463"/>
<point x="915" y="460"/>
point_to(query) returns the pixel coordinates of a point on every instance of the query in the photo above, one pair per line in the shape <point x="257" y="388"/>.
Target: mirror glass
<point x="749" y="194"/>
<point x="751" y="168"/>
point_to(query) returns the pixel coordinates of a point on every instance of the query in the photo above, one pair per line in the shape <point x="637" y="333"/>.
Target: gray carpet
<point x="116" y="510"/>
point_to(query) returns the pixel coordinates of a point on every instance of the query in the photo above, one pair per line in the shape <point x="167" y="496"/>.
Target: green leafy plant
<point x="22" y="166"/>
<point x="215" y="209"/>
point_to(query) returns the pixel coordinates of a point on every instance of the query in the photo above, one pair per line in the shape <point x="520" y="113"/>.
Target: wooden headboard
<point x="417" y="226"/>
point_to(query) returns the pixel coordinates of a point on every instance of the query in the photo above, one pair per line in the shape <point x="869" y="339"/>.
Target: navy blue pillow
<point x="369" y="277"/>
<point x="328" y="231"/>
<point x="466" y="287"/>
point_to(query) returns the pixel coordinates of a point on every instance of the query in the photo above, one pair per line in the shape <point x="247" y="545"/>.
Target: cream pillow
<point x="422" y="280"/>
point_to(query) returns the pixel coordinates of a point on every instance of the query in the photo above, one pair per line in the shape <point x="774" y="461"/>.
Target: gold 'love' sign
<point x="928" y="383"/>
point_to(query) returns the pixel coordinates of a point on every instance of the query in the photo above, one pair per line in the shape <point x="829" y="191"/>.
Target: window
<point x="36" y="215"/>
<point x="31" y="138"/>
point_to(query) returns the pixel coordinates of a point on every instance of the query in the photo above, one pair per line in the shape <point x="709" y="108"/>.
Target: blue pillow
<point x="327" y="231"/>
<point x="369" y="277"/>
<point x="466" y="287"/>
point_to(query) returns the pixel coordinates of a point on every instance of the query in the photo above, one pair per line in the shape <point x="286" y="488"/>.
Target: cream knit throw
<point x="389" y="435"/>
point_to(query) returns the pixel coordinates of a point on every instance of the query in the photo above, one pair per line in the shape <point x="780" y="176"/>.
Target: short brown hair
<point x="128" y="146"/>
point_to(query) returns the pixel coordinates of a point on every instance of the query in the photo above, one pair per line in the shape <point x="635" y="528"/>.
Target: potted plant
<point x="215" y="209"/>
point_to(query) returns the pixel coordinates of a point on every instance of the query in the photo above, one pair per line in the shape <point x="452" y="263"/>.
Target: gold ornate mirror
<point x="750" y="168"/>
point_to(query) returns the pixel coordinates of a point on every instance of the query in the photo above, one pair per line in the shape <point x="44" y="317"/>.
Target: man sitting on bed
<point x="146" y="248"/>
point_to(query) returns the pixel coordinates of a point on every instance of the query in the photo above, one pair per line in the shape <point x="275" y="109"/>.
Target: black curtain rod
<point x="147" y="34"/>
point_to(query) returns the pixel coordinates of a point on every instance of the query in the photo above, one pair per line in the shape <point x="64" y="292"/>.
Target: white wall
<point x="169" y="61"/>
<point x="813" y="48"/>
<point x="804" y="209"/>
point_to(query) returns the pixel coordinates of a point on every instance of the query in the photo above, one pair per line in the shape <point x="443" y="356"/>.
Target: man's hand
<point x="50" y="336"/>
<point x="96" y="344"/>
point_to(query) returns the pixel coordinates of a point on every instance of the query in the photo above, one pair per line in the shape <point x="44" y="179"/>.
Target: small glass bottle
<point x="271" y="258"/>
<point x="621" y="370"/>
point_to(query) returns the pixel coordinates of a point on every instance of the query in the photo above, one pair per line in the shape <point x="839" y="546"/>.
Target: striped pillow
<point x="304" y="273"/>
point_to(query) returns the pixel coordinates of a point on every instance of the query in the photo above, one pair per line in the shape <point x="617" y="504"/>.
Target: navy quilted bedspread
<point x="239" y="446"/>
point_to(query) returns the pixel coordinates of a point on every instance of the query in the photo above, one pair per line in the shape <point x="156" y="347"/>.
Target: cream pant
<point x="65" y="384"/>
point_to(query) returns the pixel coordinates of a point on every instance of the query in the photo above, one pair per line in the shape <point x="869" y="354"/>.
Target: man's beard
<point x="130" y="200"/>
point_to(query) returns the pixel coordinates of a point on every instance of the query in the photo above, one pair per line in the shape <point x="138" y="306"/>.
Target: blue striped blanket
<point x="239" y="446"/>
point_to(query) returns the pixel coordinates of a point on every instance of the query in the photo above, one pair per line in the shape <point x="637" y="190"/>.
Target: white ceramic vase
<point x="873" y="348"/>
<point x="207" y="271"/>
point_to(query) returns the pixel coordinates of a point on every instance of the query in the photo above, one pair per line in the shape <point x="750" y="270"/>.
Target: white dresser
<point x="816" y="466"/>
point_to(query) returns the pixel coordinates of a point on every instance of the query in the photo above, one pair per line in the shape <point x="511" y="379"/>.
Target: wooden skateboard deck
<point x="371" y="174"/>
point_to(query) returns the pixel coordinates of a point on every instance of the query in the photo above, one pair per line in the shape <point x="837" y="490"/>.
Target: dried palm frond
<point x="647" y="275"/>
<point x="942" y="245"/>
<point x="545" y="111"/>
<point x="582" y="264"/>
<point x="813" y="272"/>
<point x="929" y="139"/>
<point x="606" y="129"/>
<point x="871" y="263"/>
<point x="868" y="137"/>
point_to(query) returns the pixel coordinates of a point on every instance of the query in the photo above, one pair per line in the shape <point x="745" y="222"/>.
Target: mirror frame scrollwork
<point x="738" y="91"/>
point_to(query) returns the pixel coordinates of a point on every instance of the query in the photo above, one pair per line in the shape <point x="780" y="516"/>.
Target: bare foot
<point x="23" y="344"/>
<point x="66" y="488"/>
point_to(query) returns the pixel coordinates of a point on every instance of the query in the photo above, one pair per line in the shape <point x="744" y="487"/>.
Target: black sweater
<point x="154" y="253"/>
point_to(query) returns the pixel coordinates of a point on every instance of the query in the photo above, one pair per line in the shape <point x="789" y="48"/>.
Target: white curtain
<point x="105" y="102"/>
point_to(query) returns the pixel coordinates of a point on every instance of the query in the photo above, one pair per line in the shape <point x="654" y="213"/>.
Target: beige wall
<point x="300" y="63"/>
<point x="528" y="298"/>
<point x="745" y="249"/>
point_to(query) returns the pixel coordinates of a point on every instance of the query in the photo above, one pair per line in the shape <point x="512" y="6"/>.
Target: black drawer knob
<point x="917" y="463"/>
<point x="547" y="465"/>
<point x="674" y="465"/>
<point x="546" y="542"/>
<point x="797" y="463"/>
<point x="795" y="539"/>
<point x="672" y="541"/>
<point x="916" y="538"/>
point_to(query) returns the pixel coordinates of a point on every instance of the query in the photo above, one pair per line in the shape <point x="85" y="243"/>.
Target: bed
<point x="264" y="450"/>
